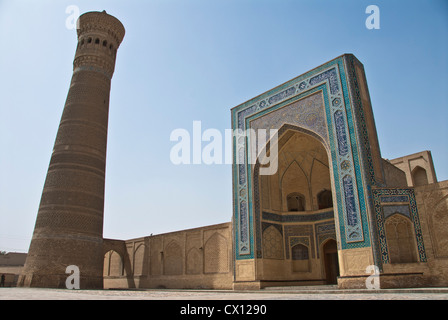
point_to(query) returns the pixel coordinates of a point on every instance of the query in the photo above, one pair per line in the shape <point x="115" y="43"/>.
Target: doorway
<point x="330" y="256"/>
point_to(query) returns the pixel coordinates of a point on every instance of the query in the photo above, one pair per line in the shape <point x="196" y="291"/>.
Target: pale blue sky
<point x="187" y="60"/>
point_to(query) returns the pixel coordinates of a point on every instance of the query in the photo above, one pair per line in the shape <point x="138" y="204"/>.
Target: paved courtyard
<point x="294" y="293"/>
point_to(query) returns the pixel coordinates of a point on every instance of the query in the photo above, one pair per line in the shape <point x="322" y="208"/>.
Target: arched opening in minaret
<point x="294" y="210"/>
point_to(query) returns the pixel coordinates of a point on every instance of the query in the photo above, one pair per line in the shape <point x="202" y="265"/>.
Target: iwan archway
<point x="293" y="208"/>
<point x="329" y="109"/>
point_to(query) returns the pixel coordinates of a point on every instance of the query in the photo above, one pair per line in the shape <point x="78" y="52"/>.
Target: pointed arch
<point x="113" y="264"/>
<point x="173" y="262"/>
<point x="400" y="237"/>
<point x="324" y="199"/>
<point x="295" y="188"/>
<point x="285" y="133"/>
<point x="272" y="243"/>
<point x="330" y="260"/>
<point x="419" y="176"/>
<point x="216" y="255"/>
<point x="139" y="259"/>
<point x="194" y="261"/>
<point x="300" y="258"/>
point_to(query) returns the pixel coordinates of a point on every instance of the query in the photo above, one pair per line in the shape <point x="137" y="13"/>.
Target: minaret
<point x="69" y="224"/>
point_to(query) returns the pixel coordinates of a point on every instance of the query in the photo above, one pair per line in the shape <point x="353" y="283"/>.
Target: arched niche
<point x="419" y="176"/>
<point x="113" y="264"/>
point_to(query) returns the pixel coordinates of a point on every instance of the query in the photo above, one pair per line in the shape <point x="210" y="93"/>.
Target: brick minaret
<point x="69" y="224"/>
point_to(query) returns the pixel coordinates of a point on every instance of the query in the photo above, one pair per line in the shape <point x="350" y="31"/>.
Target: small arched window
<point x="97" y="41"/>
<point x="105" y="43"/>
<point x="400" y="236"/>
<point x="324" y="199"/>
<point x="300" y="258"/>
<point x="89" y="40"/>
<point x="299" y="252"/>
<point x="295" y="202"/>
<point x="419" y="176"/>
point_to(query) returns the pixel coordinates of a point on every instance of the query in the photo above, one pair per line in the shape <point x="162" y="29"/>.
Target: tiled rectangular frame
<point x="348" y="143"/>
<point x="399" y="197"/>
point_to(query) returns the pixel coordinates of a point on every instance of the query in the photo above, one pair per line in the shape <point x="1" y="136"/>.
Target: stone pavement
<point x="288" y="293"/>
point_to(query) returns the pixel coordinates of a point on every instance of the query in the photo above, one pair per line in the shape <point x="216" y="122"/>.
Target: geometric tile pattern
<point x="389" y="201"/>
<point x="299" y="234"/>
<point x="272" y="242"/>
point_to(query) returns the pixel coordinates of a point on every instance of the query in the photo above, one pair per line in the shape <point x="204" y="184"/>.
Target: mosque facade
<point x="314" y="204"/>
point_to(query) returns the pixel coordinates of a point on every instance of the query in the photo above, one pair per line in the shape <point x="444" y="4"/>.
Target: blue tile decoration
<point x="242" y="173"/>
<point x="336" y="102"/>
<point x="266" y="225"/>
<point x="324" y="231"/>
<point x="345" y="136"/>
<point x="244" y="227"/>
<point x="302" y="252"/>
<point x="353" y="230"/>
<point x="293" y="240"/>
<point x="401" y="209"/>
<point x="364" y="142"/>
<point x="341" y="134"/>
<point x="307" y="113"/>
<point x="345" y="165"/>
<point x="282" y="95"/>
<point x="299" y="232"/>
<point x="351" y="61"/>
<point x="384" y="209"/>
<point x="297" y="217"/>
<point x="352" y="217"/>
<point x="394" y="199"/>
<point x="330" y="75"/>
